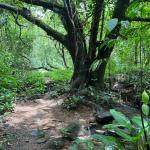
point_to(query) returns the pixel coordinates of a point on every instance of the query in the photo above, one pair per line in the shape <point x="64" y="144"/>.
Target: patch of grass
<point x="35" y="82"/>
<point x="32" y="83"/>
<point x="61" y="75"/>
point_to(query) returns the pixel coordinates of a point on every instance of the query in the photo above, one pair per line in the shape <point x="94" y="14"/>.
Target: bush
<point x="61" y="75"/>
<point x="8" y="83"/>
<point x="7" y="98"/>
<point x="32" y="83"/>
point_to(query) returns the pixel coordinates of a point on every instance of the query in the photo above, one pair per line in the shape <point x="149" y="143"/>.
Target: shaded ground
<point x="43" y="114"/>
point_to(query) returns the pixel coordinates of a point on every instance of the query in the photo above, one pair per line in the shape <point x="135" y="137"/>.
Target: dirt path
<point x="43" y="115"/>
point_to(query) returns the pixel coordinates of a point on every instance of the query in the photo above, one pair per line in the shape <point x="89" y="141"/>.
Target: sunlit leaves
<point x="145" y="109"/>
<point x="125" y="24"/>
<point x="95" y="64"/>
<point x="120" y="118"/>
<point x="145" y="97"/>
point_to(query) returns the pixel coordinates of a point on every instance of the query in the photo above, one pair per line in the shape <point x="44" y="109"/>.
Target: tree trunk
<point x="82" y="76"/>
<point x="97" y="76"/>
<point x="81" y="65"/>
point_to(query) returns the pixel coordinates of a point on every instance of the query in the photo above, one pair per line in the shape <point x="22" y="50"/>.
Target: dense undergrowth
<point x="25" y="48"/>
<point x="18" y="84"/>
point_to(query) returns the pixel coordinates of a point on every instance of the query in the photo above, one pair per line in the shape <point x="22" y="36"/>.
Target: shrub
<point x="61" y="75"/>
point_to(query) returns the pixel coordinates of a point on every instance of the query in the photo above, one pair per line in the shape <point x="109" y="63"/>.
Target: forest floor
<point x="34" y="123"/>
<point x="20" y="127"/>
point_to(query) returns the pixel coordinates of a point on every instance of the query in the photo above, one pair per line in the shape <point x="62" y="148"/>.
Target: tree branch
<point x="119" y="12"/>
<point x="138" y="19"/>
<point x="47" y="5"/>
<point x="74" y="29"/>
<point x="94" y="27"/>
<point x="25" y="13"/>
<point x="139" y="1"/>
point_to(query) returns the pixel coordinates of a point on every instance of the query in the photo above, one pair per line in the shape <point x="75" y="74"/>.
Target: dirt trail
<point x="42" y="114"/>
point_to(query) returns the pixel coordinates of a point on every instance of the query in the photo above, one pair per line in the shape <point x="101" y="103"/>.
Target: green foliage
<point x="32" y="83"/>
<point x="95" y="65"/>
<point x="34" y="49"/>
<point x="145" y="100"/>
<point x="57" y="88"/>
<point x="71" y="131"/>
<point x="72" y="102"/>
<point x="8" y="83"/>
<point x="145" y="109"/>
<point x="107" y="140"/>
<point x="13" y="81"/>
<point x="89" y="145"/>
<point x="145" y="97"/>
<point x="86" y="144"/>
<point x="7" y="98"/>
<point x="61" y="75"/>
<point x="131" y="131"/>
<point x="132" y="138"/>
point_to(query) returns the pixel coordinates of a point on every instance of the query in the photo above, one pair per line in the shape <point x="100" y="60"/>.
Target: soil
<point x="46" y="115"/>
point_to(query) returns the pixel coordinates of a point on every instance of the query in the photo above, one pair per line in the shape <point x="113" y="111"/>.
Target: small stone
<point x="71" y="131"/>
<point x="55" y="144"/>
<point x="41" y="140"/>
<point x="38" y="133"/>
<point x="27" y="140"/>
<point x="104" y="118"/>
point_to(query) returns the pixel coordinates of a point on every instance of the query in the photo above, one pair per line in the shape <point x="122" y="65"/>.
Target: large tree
<point x="84" y="51"/>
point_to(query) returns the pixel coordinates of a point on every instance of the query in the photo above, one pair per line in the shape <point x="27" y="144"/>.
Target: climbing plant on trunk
<point x="84" y="50"/>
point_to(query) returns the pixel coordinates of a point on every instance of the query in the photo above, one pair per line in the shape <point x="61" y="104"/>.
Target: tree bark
<point x="80" y="77"/>
<point x="80" y="61"/>
<point x="97" y="76"/>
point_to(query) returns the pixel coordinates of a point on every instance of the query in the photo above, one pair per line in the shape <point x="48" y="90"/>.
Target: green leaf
<point x="125" y="24"/>
<point x="137" y="121"/>
<point x="133" y="9"/>
<point x="112" y="24"/>
<point x="111" y="43"/>
<point x="95" y="64"/>
<point x="112" y="126"/>
<point x="124" y="135"/>
<point x="90" y="145"/>
<point x="145" y="97"/>
<point x="139" y="135"/>
<point x="121" y="118"/>
<point x="105" y="139"/>
<point x="145" y="109"/>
